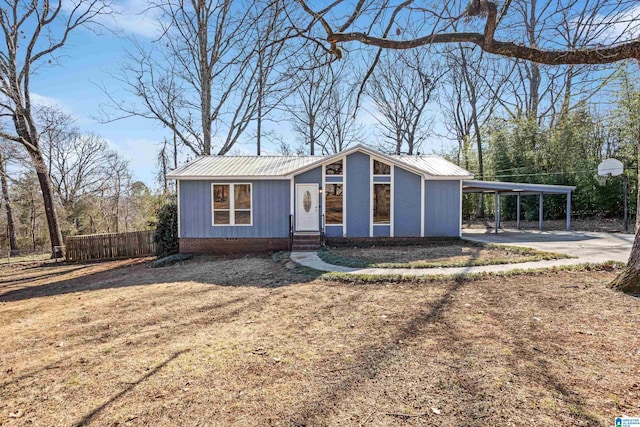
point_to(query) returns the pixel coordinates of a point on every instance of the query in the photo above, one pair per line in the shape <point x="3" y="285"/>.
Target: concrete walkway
<point x="588" y="247"/>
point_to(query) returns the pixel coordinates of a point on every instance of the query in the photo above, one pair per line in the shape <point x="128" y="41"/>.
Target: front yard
<point x="437" y="253"/>
<point x="245" y="341"/>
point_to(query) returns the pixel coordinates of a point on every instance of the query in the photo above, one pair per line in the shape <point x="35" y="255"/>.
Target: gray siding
<point x="442" y="208"/>
<point x="406" y="188"/>
<point x="314" y="176"/>
<point x="358" y="195"/>
<point x="270" y="205"/>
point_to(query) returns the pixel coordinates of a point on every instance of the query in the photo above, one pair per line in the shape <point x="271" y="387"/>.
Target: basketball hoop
<point x="614" y="167"/>
<point x="610" y="167"/>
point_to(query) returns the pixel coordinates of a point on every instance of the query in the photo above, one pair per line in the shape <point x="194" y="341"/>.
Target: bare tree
<point x="401" y="88"/>
<point x="610" y="37"/>
<point x="473" y="89"/>
<point x="270" y="34"/>
<point x="313" y="82"/>
<point x="167" y="161"/>
<point x="469" y="98"/>
<point x="546" y="94"/>
<point x="342" y="128"/>
<point x="28" y="207"/>
<point x="79" y="165"/>
<point x="33" y="33"/>
<point x="106" y="209"/>
<point x="4" y="187"/>
<point x="205" y="74"/>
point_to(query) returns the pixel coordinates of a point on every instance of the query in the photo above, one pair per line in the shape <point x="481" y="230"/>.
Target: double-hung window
<point x="231" y="204"/>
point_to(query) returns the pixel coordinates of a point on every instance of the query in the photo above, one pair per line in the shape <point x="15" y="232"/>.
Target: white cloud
<point x="620" y="27"/>
<point x="135" y="17"/>
<point x="47" y="101"/>
<point x="142" y="155"/>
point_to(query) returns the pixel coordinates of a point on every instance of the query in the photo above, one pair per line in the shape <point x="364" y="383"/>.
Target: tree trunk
<point x="175" y="151"/>
<point x="312" y="137"/>
<point x="11" y="231"/>
<point x="260" y="96"/>
<point x="33" y="222"/>
<point x="480" y="159"/>
<point x="629" y="279"/>
<point x="55" y="235"/>
<point x="204" y="70"/>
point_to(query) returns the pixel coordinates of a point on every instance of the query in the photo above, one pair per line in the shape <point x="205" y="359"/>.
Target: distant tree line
<point x="92" y="186"/>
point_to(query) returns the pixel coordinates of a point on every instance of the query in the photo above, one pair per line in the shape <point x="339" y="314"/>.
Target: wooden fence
<point x="112" y="245"/>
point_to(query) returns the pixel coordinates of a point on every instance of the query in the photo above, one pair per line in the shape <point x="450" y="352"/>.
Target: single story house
<point x="260" y="203"/>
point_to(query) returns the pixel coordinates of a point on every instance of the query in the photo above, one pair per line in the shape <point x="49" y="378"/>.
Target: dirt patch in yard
<point x="244" y="341"/>
<point x="446" y="253"/>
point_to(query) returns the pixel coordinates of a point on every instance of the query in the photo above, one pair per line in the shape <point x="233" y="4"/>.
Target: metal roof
<point x="283" y="167"/>
<point x="433" y="165"/>
<point x="245" y="166"/>
<point x="475" y="186"/>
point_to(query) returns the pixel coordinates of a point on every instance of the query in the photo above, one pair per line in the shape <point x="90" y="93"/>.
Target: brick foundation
<point x="229" y="246"/>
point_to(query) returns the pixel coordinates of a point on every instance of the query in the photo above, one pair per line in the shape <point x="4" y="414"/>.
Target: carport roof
<point x="477" y="186"/>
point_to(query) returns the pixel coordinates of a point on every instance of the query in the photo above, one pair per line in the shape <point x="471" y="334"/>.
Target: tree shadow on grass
<point x="202" y="315"/>
<point x="202" y="269"/>
<point x="130" y="386"/>
<point x="12" y="281"/>
<point x="372" y="360"/>
<point x="473" y="401"/>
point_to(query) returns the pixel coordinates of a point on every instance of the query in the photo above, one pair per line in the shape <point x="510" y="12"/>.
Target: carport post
<point x="541" y="210"/>
<point x="518" y="212"/>
<point x="497" y="214"/>
<point x="569" y="211"/>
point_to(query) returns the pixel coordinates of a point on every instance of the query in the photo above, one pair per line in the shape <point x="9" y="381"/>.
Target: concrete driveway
<point x="586" y="246"/>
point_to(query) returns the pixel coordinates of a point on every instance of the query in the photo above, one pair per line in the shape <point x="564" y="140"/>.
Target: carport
<point x="519" y="189"/>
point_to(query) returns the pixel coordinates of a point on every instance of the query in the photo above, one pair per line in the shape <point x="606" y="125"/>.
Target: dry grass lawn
<point x="445" y="253"/>
<point x="246" y="342"/>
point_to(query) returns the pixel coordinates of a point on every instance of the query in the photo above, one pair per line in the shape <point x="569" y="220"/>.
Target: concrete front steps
<point x="303" y="242"/>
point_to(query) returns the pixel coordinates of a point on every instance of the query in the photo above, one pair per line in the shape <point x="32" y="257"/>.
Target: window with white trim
<point x="334" y="169"/>
<point x="381" y="204"/>
<point x="380" y="168"/>
<point x="231" y="204"/>
<point x="334" y="197"/>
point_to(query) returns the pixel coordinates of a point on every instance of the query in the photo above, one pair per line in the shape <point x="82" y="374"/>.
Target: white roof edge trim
<point x="448" y="177"/>
<point x="229" y="178"/>
<point x="521" y="186"/>
<point x="351" y="150"/>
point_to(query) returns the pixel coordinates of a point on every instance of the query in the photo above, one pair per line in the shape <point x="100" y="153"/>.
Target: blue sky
<point x="89" y="60"/>
<point x="86" y="65"/>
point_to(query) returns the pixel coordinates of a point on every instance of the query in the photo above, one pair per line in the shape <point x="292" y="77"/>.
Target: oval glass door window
<point x="306" y="201"/>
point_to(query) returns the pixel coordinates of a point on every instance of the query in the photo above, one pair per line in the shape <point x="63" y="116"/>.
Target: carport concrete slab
<point x="586" y="246"/>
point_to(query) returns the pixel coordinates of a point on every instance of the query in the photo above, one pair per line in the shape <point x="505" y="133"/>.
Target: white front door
<point x="307" y="218"/>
